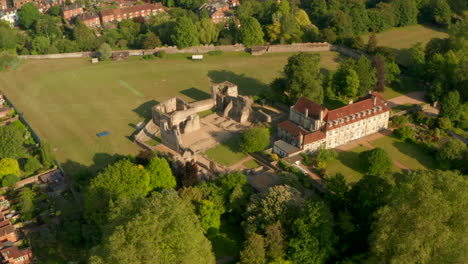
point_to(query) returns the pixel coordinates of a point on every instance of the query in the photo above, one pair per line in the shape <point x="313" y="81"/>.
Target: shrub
<point x="215" y="52"/>
<point x="105" y="51"/>
<point x="444" y="123"/>
<point x="10" y="180"/>
<point x="376" y="161"/>
<point x="306" y="158"/>
<point x="149" y="57"/>
<point x="324" y="155"/>
<point x="9" y="167"/>
<point x="404" y="133"/>
<point x="399" y="120"/>
<point x="31" y="165"/>
<point x="161" y="54"/>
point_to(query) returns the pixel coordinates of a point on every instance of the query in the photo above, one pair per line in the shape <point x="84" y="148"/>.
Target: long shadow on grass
<point x="195" y="94"/>
<point x="351" y="160"/>
<point x="144" y="110"/>
<point x="247" y="85"/>
<point x="413" y="151"/>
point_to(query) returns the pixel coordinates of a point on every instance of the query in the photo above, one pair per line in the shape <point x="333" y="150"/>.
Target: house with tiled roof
<point x="119" y="14"/>
<point x="311" y="126"/>
<point x="14" y="255"/>
<point x="70" y="11"/>
<point x="7" y="230"/>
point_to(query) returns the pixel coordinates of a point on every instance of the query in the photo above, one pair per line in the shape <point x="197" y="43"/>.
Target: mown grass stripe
<point x="129" y="87"/>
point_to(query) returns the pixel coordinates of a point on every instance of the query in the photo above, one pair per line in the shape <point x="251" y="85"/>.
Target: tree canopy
<point x="303" y="77"/>
<point x="376" y="161"/>
<point x="250" y="33"/>
<point x="28" y="15"/>
<point x="255" y="139"/>
<point x="160" y="174"/>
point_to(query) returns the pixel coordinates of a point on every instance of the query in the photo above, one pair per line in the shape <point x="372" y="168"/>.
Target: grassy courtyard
<point x="408" y="154"/>
<point x="401" y="39"/>
<point x="69" y="101"/>
<point x="227" y="153"/>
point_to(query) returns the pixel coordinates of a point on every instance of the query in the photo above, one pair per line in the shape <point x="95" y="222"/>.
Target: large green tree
<point x="162" y="229"/>
<point x="312" y="236"/>
<point x="303" y="77"/>
<point x="450" y="106"/>
<point x="424" y="221"/>
<point x="366" y="75"/>
<point x="376" y="161"/>
<point x="84" y="36"/>
<point x="28" y="15"/>
<point x="254" y="250"/>
<point x="185" y="33"/>
<point x="9" y="167"/>
<point x="207" y="31"/>
<point x="250" y="33"/>
<point x="255" y="139"/>
<point x="160" y="174"/>
<point x="11" y="142"/>
<point x="121" y="180"/>
<point x="406" y="12"/>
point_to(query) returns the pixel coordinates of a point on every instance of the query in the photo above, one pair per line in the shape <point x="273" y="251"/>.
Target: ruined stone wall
<point x="204" y="105"/>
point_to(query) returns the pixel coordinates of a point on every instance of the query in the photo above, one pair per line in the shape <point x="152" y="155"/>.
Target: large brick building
<point x="70" y="11"/>
<point x="14" y="255"/>
<point x="312" y="126"/>
<point x="90" y="19"/>
<point x="119" y="14"/>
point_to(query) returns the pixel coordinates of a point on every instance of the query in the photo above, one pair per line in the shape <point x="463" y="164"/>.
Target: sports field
<point x="402" y="39"/>
<point x="69" y="101"/>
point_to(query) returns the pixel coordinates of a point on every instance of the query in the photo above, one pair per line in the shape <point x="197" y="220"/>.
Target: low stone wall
<point x="296" y="47"/>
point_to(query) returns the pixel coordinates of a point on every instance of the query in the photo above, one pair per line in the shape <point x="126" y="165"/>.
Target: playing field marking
<point x="128" y="86"/>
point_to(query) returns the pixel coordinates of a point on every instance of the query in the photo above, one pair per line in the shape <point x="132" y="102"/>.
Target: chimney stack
<point x="374" y="99"/>
<point x="307" y="112"/>
<point x="301" y="140"/>
<point x="321" y="114"/>
<point x="350" y="102"/>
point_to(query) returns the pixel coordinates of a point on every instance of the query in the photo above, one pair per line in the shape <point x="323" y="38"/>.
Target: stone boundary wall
<point x="296" y="47"/>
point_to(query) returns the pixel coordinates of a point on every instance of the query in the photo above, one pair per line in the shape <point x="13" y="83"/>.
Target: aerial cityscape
<point x="233" y="131"/>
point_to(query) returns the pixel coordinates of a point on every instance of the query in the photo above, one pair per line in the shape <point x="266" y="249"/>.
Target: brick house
<point x="218" y="9"/>
<point x="7" y="231"/>
<point x="3" y="4"/>
<point x="17" y="4"/>
<point x="312" y="126"/>
<point x="119" y="14"/>
<point x="90" y="19"/>
<point x="70" y="11"/>
<point x="14" y="255"/>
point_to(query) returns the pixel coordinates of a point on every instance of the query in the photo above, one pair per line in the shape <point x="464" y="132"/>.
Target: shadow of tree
<point x="352" y="160"/>
<point x="144" y="110"/>
<point x="247" y="85"/>
<point x="413" y="151"/>
<point x="196" y="94"/>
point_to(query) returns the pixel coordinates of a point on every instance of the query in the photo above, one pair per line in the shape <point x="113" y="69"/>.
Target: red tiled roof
<point x="314" y="136"/>
<point x="132" y="9"/>
<point x="14" y="253"/>
<point x="314" y="109"/>
<point x="292" y="128"/>
<point x="357" y="107"/>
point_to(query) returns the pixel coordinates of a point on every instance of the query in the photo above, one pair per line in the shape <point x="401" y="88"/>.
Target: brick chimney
<point x="307" y="112"/>
<point x="321" y="114"/>
<point x="374" y="99"/>
<point x="301" y="140"/>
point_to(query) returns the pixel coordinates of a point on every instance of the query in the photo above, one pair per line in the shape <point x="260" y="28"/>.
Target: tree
<point x="346" y="81"/>
<point x="9" y="167"/>
<point x="376" y="161"/>
<point x="105" y="51"/>
<point x="209" y="215"/>
<point x="303" y="77"/>
<point x="338" y="188"/>
<point x="451" y="150"/>
<point x="250" y="33"/>
<point x="275" y="243"/>
<point x="278" y="203"/>
<point x="41" y="44"/>
<point x="438" y="11"/>
<point x="26" y="204"/>
<point x="31" y="165"/>
<point x="450" y="106"/>
<point x="406" y="12"/>
<point x="47" y="156"/>
<point x="312" y="236"/>
<point x="255" y="139"/>
<point x="120" y="180"/>
<point x="417" y="60"/>
<point x="290" y="29"/>
<point x="254" y="250"/>
<point x="408" y="230"/>
<point x="379" y="64"/>
<point x="160" y="174"/>
<point x="372" y="43"/>
<point x="11" y="142"/>
<point x="161" y="229"/>
<point x="10" y="180"/>
<point x="207" y="31"/>
<point x="55" y="10"/>
<point x="325" y="155"/>
<point x="274" y="31"/>
<point x="366" y="75"/>
<point x="185" y="33"/>
<point x="190" y="173"/>
<point x="84" y="36"/>
<point x="150" y="41"/>
<point x="340" y="22"/>
<point x="28" y="15"/>
<point x="7" y="38"/>
<point x="47" y="26"/>
<point x="404" y="133"/>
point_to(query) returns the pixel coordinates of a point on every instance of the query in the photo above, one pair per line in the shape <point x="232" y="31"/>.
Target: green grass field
<point x="401" y="39"/>
<point x="348" y="164"/>
<point x="68" y="101"/>
<point x="227" y="153"/>
<point x="251" y="164"/>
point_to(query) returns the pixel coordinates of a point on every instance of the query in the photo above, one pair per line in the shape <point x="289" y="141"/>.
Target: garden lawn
<point x="228" y="152"/>
<point x="69" y="101"/>
<point x="406" y="153"/>
<point x="251" y="164"/>
<point x="402" y="39"/>
<point x="348" y="164"/>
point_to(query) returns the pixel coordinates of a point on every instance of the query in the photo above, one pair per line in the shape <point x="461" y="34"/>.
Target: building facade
<point x="143" y="10"/>
<point x="71" y="11"/>
<point x="312" y="126"/>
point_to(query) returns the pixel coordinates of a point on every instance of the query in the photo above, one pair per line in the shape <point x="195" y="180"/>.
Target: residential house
<point x="119" y="14"/>
<point x="7" y="230"/>
<point x="90" y="19"/>
<point x="20" y="3"/>
<point x="70" y="11"/>
<point x="14" y="255"/>
<point x="312" y="126"/>
<point x="10" y="15"/>
<point x="3" y="4"/>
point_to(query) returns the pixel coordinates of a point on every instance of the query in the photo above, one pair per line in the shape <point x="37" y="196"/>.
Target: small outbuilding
<point x="258" y="50"/>
<point x="197" y="57"/>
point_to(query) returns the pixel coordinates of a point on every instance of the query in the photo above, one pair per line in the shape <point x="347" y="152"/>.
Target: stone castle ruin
<point x="175" y="121"/>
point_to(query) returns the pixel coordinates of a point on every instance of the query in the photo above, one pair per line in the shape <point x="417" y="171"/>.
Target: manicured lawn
<point x="68" y="101"/>
<point x="404" y="38"/>
<point x="408" y="154"/>
<point x="205" y="113"/>
<point x="348" y="164"/>
<point x="153" y="141"/>
<point x="404" y="86"/>
<point x="227" y="153"/>
<point x="251" y="164"/>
